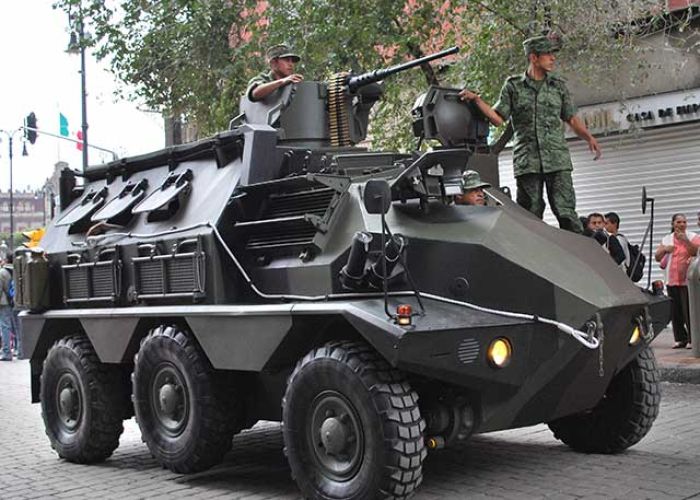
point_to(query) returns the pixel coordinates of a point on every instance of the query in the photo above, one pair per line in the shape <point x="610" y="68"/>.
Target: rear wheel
<point x="624" y="415"/>
<point x="352" y="426"/>
<point x="185" y="411"/>
<point x="82" y="401"/>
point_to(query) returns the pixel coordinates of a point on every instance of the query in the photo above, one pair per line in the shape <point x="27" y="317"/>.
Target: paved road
<point x="526" y="463"/>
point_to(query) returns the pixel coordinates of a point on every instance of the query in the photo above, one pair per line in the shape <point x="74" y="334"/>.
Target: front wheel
<point x="624" y="415"/>
<point x="352" y="426"/>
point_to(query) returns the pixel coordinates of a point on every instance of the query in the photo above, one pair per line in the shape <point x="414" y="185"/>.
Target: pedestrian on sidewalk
<point x="6" y="310"/>
<point x="674" y="254"/>
<point x="595" y="226"/>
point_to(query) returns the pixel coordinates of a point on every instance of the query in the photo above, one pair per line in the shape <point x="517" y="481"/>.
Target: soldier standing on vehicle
<point x="282" y="60"/>
<point x="537" y="102"/>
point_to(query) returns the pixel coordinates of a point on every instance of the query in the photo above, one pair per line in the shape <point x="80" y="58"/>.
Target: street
<point x="524" y="463"/>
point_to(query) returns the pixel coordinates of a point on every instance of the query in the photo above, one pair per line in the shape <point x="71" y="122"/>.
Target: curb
<point x="679" y="375"/>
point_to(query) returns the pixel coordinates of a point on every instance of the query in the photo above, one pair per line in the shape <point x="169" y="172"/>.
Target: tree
<point x="174" y="54"/>
<point x="193" y="58"/>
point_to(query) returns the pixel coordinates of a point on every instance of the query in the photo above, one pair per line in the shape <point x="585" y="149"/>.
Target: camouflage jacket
<point x="538" y="142"/>
<point x="263" y="77"/>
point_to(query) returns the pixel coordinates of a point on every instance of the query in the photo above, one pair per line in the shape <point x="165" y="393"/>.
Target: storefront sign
<point x="650" y="111"/>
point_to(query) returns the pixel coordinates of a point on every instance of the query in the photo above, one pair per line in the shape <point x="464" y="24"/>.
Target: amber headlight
<point x="499" y="353"/>
<point x="636" y="336"/>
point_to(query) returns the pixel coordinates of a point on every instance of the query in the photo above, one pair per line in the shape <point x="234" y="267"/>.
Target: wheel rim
<point x="170" y="400"/>
<point x="69" y="402"/>
<point x="335" y="435"/>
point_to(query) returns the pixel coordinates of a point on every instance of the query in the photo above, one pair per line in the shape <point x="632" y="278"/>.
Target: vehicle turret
<point x="332" y="113"/>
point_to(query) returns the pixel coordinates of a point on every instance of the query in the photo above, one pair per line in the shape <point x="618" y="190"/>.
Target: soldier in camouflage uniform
<point x="537" y="102"/>
<point x="282" y="60"/>
<point x="472" y="189"/>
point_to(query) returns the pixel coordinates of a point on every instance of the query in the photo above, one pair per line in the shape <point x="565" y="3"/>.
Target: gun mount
<point x="321" y="114"/>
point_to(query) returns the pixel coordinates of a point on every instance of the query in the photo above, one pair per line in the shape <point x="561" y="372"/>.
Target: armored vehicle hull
<point x="343" y="292"/>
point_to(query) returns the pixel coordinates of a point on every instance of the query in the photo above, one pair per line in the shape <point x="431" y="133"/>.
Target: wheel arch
<point x="256" y="343"/>
<point x="115" y="340"/>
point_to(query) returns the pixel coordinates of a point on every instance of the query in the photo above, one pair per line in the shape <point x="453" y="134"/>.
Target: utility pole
<point x="78" y="46"/>
<point x="10" y="137"/>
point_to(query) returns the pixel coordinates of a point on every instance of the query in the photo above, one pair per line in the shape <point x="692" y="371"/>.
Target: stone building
<point x="29" y="210"/>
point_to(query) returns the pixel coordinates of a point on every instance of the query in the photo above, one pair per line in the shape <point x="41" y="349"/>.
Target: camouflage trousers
<point x="560" y="193"/>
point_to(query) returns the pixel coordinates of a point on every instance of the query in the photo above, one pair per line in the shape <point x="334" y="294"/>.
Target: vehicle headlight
<point x="499" y="352"/>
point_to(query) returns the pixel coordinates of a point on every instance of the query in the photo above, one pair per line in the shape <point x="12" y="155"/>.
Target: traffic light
<point x="30" y="127"/>
<point x="79" y="135"/>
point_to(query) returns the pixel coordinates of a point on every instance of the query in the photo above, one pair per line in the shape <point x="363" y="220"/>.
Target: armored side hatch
<point x="118" y="209"/>
<point x="165" y="201"/>
<point x="79" y="219"/>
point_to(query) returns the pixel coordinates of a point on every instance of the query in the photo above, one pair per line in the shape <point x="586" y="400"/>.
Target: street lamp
<point x="77" y="46"/>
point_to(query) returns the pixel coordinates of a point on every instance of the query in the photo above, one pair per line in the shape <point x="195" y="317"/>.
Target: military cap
<point x="472" y="180"/>
<point x="281" y="50"/>
<point x="542" y="44"/>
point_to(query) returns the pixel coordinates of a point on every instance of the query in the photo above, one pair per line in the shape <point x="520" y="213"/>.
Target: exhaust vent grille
<point x="468" y="351"/>
<point x="285" y="217"/>
<point x="294" y="204"/>
<point x="91" y="281"/>
<point x="172" y="275"/>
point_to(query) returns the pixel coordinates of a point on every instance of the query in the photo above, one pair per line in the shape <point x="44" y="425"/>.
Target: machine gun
<point x="355" y="82"/>
<point x="321" y="114"/>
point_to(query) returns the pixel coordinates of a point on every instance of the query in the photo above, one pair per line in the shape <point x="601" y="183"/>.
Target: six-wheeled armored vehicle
<point x="278" y="271"/>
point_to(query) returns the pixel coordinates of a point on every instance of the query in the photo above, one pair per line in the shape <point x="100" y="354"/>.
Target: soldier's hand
<point x="468" y="95"/>
<point x="295" y="78"/>
<point x="595" y="148"/>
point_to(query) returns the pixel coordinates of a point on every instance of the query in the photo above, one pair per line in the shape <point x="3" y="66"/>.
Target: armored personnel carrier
<point x="278" y="271"/>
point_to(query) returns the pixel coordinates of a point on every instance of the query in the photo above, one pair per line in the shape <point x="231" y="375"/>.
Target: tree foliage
<point x="194" y="57"/>
<point x="174" y="54"/>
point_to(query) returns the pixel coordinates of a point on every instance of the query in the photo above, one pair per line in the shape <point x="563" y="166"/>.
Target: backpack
<point x="10" y="292"/>
<point x="636" y="272"/>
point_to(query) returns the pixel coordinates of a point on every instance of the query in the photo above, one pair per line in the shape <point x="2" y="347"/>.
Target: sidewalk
<point x="675" y="365"/>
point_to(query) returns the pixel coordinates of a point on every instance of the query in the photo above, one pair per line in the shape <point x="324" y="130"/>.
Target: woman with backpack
<point x="676" y="251"/>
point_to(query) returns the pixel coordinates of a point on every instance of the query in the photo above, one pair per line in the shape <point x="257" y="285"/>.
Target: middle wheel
<point x="186" y="416"/>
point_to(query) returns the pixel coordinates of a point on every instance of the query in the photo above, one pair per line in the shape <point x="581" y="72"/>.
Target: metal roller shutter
<point x="665" y="159"/>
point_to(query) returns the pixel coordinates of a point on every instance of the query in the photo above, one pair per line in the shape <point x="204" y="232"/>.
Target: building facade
<point x="29" y="210"/>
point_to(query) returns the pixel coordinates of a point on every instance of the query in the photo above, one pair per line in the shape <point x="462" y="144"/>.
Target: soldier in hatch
<point x="282" y="60"/>
<point x="472" y="189"/>
<point x="537" y="102"/>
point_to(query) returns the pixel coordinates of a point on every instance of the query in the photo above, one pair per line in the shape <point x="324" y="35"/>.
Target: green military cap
<point x="281" y="50"/>
<point x="542" y="44"/>
<point x="472" y="180"/>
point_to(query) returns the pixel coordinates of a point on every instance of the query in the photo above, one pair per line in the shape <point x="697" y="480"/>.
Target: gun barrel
<point x="355" y="82"/>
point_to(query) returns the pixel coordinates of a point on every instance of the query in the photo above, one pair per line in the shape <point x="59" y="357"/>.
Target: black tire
<point x="82" y="401"/>
<point x="184" y="409"/>
<point x="371" y="420"/>
<point x="624" y="415"/>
